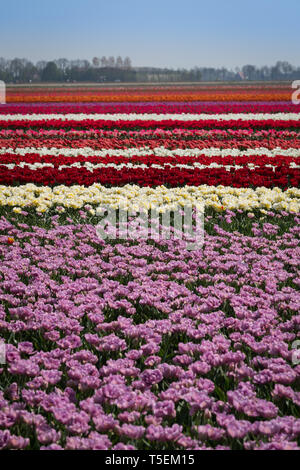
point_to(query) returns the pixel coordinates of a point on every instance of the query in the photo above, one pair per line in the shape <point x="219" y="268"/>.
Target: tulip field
<point x="140" y="343"/>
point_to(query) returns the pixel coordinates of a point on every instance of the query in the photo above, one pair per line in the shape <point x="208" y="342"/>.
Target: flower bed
<point x="142" y="343"/>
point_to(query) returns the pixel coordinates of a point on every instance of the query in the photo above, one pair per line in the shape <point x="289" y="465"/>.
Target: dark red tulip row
<point x="151" y="124"/>
<point x="282" y="176"/>
<point x="149" y="108"/>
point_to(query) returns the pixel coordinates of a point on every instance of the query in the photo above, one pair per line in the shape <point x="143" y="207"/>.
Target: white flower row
<point x="133" y="197"/>
<point x="152" y="117"/>
<point x="146" y="151"/>
<point x="94" y="166"/>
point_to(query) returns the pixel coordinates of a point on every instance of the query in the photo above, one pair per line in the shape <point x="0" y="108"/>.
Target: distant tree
<point x="3" y="64"/>
<point x="51" y="73"/>
<point x="96" y="61"/>
<point x="77" y="63"/>
<point x="111" y="62"/>
<point x="16" y="67"/>
<point x="85" y="64"/>
<point x="249" y="72"/>
<point x="5" y="74"/>
<point x="265" y="72"/>
<point x="284" y="68"/>
<point x="41" y="64"/>
<point x="22" y="70"/>
<point x="119" y="62"/>
<point x="28" y="72"/>
<point x="103" y="61"/>
<point x="62" y="64"/>
<point x="127" y="63"/>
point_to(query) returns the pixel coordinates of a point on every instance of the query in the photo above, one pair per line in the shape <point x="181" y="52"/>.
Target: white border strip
<point x="94" y="166"/>
<point x="145" y="151"/>
<point x="152" y="117"/>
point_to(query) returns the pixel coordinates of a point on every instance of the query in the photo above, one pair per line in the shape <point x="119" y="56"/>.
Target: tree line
<point x="111" y="69"/>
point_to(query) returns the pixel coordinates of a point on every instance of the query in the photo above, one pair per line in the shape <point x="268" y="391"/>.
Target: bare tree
<point x="85" y="64"/>
<point x="96" y="61"/>
<point x="111" y="61"/>
<point x="3" y="63"/>
<point x="41" y="64"/>
<point x="103" y="61"/>
<point x="119" y="62"/>
<point x="127" y="63"/>
<point x="62" y="64"/>
<point x="16" y="67"/>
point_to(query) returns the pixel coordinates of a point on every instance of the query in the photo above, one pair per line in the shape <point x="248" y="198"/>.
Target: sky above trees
<point x="162" y="33"/>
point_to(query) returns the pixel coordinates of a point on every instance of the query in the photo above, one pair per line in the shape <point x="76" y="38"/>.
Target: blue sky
<point x="172" y="33"/>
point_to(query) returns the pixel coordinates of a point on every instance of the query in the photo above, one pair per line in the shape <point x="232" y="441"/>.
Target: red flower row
<point x="150" y="160"/>
<point x="173" y="143"/>
<point x="149" y="124"/>
<point x="157" y="133"/>
<point x="282" y="177"/>
<point x="149" y="108"/>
